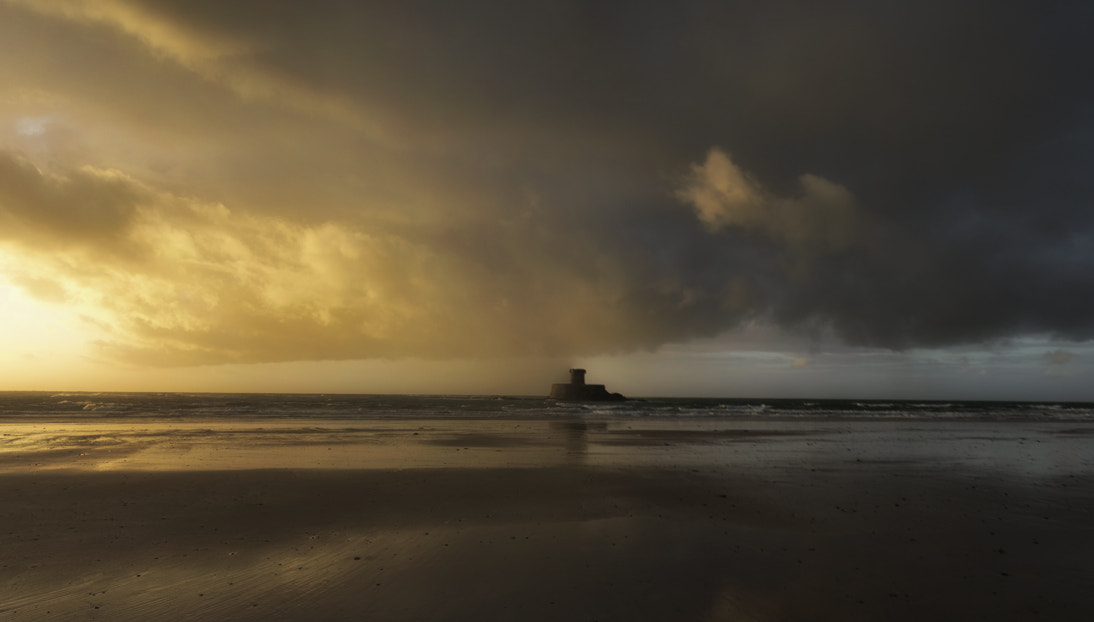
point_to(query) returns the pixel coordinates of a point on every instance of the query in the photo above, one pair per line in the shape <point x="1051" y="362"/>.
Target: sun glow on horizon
<point x="41" y="340"/>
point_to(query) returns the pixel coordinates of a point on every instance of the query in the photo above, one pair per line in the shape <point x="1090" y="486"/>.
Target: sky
<point x="852" y="199"/>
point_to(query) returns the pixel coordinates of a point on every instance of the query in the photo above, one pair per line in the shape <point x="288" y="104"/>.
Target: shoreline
<point x="565" y="520"/>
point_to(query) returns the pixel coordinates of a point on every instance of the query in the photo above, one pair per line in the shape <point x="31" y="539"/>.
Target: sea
<point x="89" y="406"/>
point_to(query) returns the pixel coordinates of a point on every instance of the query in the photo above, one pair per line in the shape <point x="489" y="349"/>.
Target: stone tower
<point x="578" y="391"/>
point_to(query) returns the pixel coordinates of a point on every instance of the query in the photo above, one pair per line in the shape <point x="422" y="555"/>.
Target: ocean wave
<point x="336" y="406"/>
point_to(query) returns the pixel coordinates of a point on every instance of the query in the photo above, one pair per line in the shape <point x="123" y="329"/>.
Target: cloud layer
<point x="267" y="181"/>
<point x="824" y="219"/>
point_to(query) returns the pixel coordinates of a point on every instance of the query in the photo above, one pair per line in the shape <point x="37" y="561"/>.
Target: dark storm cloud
<point x="563" y="177"/>
<point x="1059" y="357"/>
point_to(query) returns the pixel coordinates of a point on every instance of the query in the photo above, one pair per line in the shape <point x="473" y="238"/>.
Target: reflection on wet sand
<point x="544" y="520"/>
<point x="575" y="434"/>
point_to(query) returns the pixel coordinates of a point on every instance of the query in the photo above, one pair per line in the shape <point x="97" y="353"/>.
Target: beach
<point x="578" y="518"/>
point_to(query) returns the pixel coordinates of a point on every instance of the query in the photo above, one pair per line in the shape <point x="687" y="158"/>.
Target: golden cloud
<point x="179" y="280"/>
<point x="227" y="61"/>
<point x="824" y="219"/>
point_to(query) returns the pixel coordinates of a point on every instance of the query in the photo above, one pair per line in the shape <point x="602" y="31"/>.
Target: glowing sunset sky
<point x="695" y="198"/>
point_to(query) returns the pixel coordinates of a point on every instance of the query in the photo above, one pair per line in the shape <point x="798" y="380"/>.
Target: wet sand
<point x="545" y="520"/>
